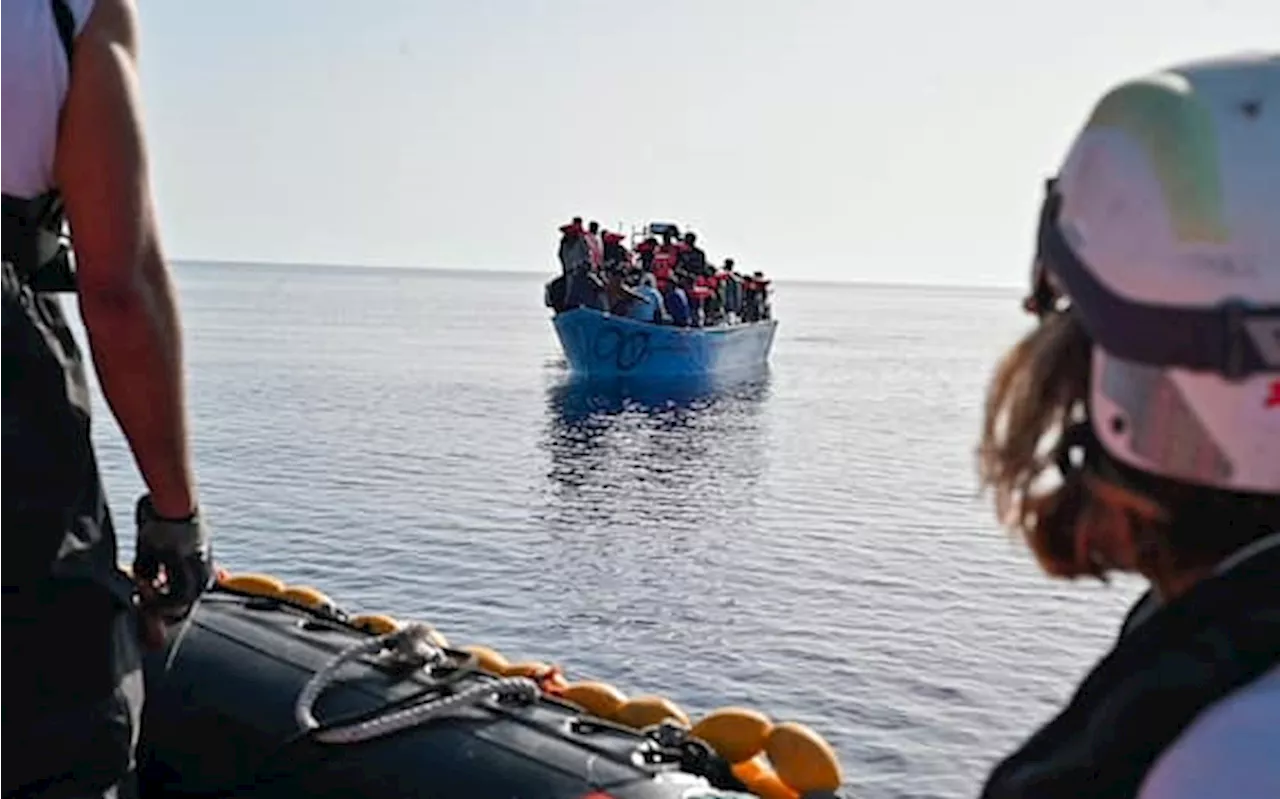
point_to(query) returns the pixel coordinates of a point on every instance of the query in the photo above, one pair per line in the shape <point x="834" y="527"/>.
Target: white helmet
<point x="1163" y="230"/>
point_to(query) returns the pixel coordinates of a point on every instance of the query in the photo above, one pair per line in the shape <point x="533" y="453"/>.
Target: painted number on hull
<point x="626" y="350"/>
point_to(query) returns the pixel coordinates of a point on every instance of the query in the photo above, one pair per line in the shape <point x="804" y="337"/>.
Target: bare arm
<point x="126" y="297"/>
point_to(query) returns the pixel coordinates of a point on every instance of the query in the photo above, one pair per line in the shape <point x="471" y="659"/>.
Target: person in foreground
<point x="1155" y="375"/>
<point x="73" y="140"/>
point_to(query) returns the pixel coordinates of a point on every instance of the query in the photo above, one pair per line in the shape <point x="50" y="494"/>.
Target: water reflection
<point x="631" y="453"/>
<point x="575" y="400"/>
<point x="650" y="491"/>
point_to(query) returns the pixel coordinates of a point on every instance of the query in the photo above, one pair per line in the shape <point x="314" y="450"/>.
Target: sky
<point x="845" y="140"/>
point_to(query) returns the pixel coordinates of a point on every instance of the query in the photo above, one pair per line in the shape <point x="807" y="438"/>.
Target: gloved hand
<point x="180" y="547"/>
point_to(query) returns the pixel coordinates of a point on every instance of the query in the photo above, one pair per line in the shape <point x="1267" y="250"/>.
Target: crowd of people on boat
<point x="664" y="279"/>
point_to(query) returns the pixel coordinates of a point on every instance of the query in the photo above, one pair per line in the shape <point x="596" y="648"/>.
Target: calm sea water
<point x="809" y="543"/>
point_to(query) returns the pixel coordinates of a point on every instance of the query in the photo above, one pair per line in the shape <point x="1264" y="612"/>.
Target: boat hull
<point x="598" y="344"/>
<point x="219" y="720"/>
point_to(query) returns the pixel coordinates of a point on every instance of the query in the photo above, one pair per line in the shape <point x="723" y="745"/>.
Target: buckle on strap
<point x="1250" y="330"/>
<point x="1235" y="338"/>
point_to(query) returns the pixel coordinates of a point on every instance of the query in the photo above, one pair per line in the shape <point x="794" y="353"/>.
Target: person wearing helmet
<point x="1137" y="429"/>
<point x="74" y="152"/>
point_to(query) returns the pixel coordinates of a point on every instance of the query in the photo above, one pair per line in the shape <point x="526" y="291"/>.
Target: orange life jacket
<point x="664" y="263"/>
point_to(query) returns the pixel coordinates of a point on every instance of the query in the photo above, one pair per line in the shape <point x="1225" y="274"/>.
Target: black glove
<point x="182" y="547"/>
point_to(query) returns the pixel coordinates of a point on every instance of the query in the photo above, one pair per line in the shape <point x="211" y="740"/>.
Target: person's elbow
<point x="100" y="164"/>
<point x="112" y="281"/>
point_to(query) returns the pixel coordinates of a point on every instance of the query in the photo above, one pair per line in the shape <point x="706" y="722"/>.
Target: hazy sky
<point x="841" y="140"/>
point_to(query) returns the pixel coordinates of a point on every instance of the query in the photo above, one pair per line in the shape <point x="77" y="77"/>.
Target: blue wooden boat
<point x="599" y="344"/>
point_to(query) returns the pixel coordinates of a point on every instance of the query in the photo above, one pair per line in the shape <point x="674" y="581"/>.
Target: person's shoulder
<point x="80" y="11"/>
<point x="113" y="20"/>
<point x="1230" y="750"/>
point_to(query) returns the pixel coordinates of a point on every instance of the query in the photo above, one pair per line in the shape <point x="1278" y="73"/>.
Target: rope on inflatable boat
<point x="412" y="643"/>
<point x="774" y="760"/>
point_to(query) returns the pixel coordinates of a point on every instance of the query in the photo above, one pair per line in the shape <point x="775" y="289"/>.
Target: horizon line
<point x="527" y="272"/>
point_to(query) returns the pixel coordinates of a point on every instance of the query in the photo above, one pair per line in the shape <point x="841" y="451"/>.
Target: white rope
<point x="414" y="643"/>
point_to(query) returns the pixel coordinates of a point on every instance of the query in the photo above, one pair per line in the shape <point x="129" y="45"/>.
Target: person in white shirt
<point x="1136" y="429"/>
<point x="595" y="245"/>
<point x="74" y="152"/>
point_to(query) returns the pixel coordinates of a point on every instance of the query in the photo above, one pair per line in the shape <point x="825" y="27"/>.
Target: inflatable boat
<point x="275" y="691"/>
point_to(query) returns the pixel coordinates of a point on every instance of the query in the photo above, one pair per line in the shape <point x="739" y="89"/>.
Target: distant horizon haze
<point x="501" y="271"/>
<point x="832" y="140"/>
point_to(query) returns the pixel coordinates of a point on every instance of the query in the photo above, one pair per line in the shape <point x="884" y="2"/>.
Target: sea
<point x="808" y="541"/>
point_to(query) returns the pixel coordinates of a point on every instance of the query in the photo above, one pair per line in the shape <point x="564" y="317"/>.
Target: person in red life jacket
<point x="618" y="256"/>
<point x="571" y="236"/>
<point x="684" y="277"/>
<point x="756" y="298"/>
<point x="664" y="262"/>
<point x="708" y="298"/>
<point x="697" y="294"/>
<point x="573" y="245"/>
<point x="763" y="283"/>
<point x="691" y="258"/>
<point x="575" y="261"/>
<point x="748" y="299"/>
<point x="645" y="251"/>
<point x="614" y="252"/>
<point x="730" y="292"/>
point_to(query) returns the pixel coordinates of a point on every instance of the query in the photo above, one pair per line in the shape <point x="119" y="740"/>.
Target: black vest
<point x="1162" y="673"/>
<point x="33" y="227"/>
<point x="63" y="591"/>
